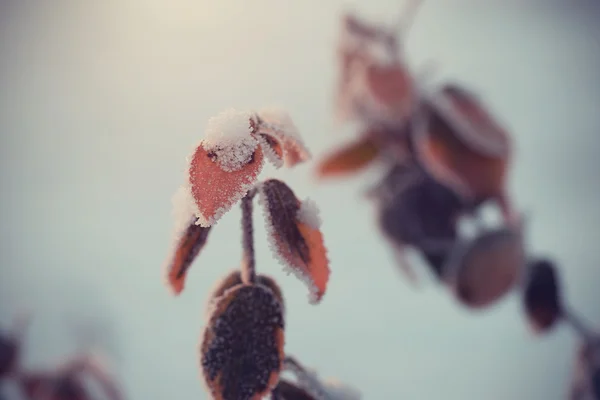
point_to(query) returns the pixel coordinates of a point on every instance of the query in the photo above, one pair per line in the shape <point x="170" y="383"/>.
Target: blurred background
<point x="100" y="103"/>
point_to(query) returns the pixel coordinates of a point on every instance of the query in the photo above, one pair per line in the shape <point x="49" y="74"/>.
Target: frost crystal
<point x="277" y="123"/>
<point x="228" y="140"/>
<point x="184" y="209"/>
<point x="309" y="214"/>
<point x="270" y="154"/>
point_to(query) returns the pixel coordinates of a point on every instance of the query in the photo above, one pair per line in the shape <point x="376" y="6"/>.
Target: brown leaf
<point x="187" y="248"/>
<point x="486" y="268"/>
<point x="349" y="159"/>
<point x="298" y="243"/>
<point x="242" y="346"/>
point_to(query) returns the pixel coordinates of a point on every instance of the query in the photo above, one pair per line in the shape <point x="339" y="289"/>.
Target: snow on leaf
<point x="485" y="268"/>
<point x="242" y="346"/>
<point x="215" y="190"/>
<point x="188" y="246"/>
<point x="280" y="135"/>
<point x="228" y="139"/>
<point x="286" y="390"/>
<point x="541" y="297"/>
<point x="297" y="244"/>
<point x="349" y="159"/>
<point x="308" y="214"/>
<point x="455" y="164"/>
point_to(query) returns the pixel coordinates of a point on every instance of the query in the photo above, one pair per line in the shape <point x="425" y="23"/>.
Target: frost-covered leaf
<point x="242" y="346"/>
<point x="349" y="159"/>
<point x="541" y="297"/>
<point x="234" y="278"/>
<point x="286" y="390"/>
<point x="417" y="211"/>
<point x="280" y="139"/>
<point x="295" y="237"/>
<point x="452" y="162"/>
<point x="484" y="269"/>
<point x="189" y="244"/>
<point x="470" y="121"/>
<point x="224" y="166"/>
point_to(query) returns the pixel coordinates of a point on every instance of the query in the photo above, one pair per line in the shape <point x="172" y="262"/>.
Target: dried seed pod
<point x="286" y="390"/>
<point x="418" y="211"/>
<point x="449" y="160"/>
<point x="242" y="346"/>
<point x="295" y="237"/>
<point x="187" y="247"/>
<point x="484" y="269"/>
<point x="224" y="166"/>
<point x="541" y="297"/>
<point x="350" y="159"/>
<point x="279" y="138"/>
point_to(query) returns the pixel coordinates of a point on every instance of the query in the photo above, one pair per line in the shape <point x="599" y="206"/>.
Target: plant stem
<point x="578" y="325"/>
<point x="248" y="262"/>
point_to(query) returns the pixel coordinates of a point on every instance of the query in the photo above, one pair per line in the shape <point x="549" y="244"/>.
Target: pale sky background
<point x="101" y="101"/>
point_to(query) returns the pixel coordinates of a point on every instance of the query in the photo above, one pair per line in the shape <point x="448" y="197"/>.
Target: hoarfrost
<point x="309" y="214"/>
<point x="228" y="139"/>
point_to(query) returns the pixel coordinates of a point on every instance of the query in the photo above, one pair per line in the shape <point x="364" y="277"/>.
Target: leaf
<point x="471" y="122"/>
<point x="392" y="87"/>
<point x="286" y="390"/>
<point x="280" y="138"/>
<point x="294" y="235"/>
<point x="485" y="268"/>
<point x="234" y="278"/>
<point x="541" y="297"/>
<point x="215" y="190"/>
<point x="585" y="382"/>
<point x="416" y="210"/>
<point x="349" y="159"/>
<point x="455" y="164"/>
<point x="242" y="346"/>
<point x="188" y="246"/>
<point x="9" y="351"/>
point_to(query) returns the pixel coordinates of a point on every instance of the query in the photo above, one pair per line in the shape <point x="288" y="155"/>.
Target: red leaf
<point x="455" y="164"/>
<point x="188" y="246"/>
<point x="215" y="190"/>
<point x="296" y="240"/>
<point x="281" y="137"/>
<point x="349" y="159"/>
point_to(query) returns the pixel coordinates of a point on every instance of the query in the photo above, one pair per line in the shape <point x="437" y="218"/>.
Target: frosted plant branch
<point x="249" y="259"/>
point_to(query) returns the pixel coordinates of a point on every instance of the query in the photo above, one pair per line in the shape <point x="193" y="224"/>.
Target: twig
<point x="249" y="261"/>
